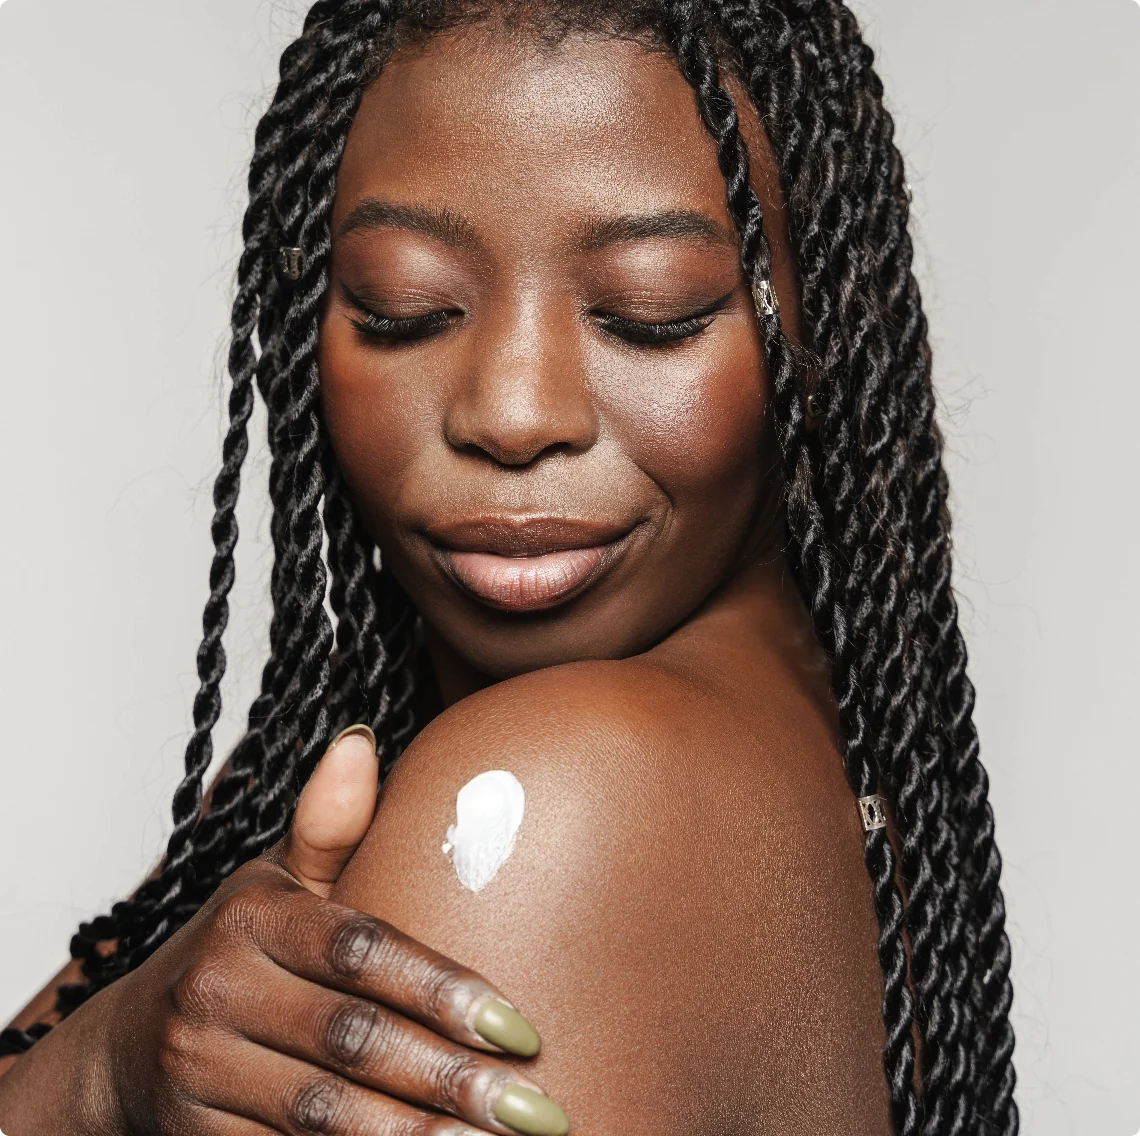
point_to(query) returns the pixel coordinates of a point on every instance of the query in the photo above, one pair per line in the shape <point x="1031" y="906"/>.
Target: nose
<point x="524" y="393"/>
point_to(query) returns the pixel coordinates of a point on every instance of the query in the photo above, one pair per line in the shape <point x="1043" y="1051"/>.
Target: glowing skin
<point x="521" y="420"/>
<point x="488" y="812"/>
<point x="689" y="904"/>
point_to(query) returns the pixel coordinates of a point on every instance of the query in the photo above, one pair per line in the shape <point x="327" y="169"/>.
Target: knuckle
<point x="236" y="913"/>
<point x="441" y="1126"/>
<point x="179" y="1052"/>
<point x="420" y="1124"/>
<point x="445" y="988"/>
<point x="316" y="1107"/>
<point x="353" y="1033"/>
<point x="451" y="1077"/>
<point x="200" y="991"/>
<point x="356" y="946"/>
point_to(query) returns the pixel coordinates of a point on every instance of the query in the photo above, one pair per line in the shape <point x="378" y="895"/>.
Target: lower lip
<point x="529" y="583"/>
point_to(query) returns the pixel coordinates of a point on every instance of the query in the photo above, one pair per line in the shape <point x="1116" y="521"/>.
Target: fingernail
<point x="359" y="728"/>
<point x="504" y="1026"/>
<point x="529" y="1112"/>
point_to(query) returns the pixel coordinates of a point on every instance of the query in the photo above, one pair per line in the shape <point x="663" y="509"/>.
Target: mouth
<point x="527" y="564"/>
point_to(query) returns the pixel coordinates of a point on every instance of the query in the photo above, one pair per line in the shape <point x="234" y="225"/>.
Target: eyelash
<point x="638" y="332"/>
<point x="646" y="334"/>
<point x="401" y="330"/>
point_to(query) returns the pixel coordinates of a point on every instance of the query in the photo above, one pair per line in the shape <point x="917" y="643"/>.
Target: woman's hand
<point x="277" y="1010"/>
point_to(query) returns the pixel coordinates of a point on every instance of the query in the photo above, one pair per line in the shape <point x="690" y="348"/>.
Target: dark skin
<point x="686" y="917"/>
<point x="689" y="877"/>
<point x="531" y="401"/>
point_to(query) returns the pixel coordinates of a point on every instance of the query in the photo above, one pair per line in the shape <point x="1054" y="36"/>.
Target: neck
<point x="455" y="675"/>
<point x="759" y="565"/>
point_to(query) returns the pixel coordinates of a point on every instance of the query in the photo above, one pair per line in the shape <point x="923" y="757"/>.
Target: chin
<point x="502" y="646"/>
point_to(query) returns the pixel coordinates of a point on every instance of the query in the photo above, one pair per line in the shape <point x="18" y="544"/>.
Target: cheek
<point x="690" y="420"/>
<point x="693" y="422"/>
<point x="376" y="425"/>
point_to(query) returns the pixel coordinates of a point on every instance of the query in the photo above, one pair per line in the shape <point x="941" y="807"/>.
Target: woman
<point x="649" y="460"/>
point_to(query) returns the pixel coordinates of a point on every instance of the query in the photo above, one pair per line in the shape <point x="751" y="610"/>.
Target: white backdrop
<point x="124" y="129"/>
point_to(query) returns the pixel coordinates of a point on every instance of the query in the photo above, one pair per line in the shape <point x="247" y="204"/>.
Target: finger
<point x="378" y="1048"/>
<point x="291" y="1097"/>
<point x="334" y="812"/>
<point x="342" y="949"/>
<point x="207" y="1121"/>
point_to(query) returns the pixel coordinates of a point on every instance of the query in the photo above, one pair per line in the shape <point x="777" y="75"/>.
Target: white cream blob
<point x="488" y="812"/>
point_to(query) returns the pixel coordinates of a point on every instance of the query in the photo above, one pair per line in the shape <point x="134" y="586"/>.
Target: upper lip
<point x="524" y="536"/>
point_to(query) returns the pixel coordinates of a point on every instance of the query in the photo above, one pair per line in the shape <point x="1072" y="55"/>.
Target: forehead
<point x="497" y="124"/>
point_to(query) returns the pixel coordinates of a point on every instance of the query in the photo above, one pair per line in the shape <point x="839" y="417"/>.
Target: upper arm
<point x="655" y="944"/>
<point x="563" y="929"/>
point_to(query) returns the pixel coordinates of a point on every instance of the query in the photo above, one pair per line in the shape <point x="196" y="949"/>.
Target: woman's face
<point x="541" y="369"/>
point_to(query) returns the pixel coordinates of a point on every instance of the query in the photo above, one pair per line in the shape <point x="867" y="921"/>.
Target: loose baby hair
<point x="865" y="498"/>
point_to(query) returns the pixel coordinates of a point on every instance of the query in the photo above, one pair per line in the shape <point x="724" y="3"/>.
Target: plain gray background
<point x="125" y="126"/>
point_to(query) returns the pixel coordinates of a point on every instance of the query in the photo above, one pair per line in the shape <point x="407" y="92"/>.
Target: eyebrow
<point x="678" y="224"/>
<point x="372" y="213"/>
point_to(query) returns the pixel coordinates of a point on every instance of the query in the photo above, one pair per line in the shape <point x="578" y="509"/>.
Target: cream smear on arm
<point x="488" y="812"/>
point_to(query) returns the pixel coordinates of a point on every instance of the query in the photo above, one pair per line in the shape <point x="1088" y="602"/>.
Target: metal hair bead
<point x="290" y="263"/>
<point x="873" y="811"/>
<point x="764" y="297"/>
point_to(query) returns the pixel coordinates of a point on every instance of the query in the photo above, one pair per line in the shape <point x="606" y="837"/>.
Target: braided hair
<point x="865" y="497"/>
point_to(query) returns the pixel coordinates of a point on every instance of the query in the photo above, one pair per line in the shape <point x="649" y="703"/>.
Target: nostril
<point x="518" y="417"/>
<point x="515" y="447"/>
<point x="519" y="457"/>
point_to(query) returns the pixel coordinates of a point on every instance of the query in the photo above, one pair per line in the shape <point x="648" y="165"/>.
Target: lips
<point x="527" y="564"/>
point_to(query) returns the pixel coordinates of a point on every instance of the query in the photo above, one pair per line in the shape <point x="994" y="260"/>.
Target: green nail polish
<point x="531" y="1113"/>
<point x="505" y="1027"/>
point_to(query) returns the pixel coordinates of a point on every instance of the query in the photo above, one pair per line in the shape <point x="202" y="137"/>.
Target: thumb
<point x="334" y="812"/>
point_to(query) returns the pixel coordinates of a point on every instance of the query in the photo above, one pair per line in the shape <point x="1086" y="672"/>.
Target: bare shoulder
<point x="589" y="745"/>
<point x="589" y="732"/>
<point x="665" y="916"/>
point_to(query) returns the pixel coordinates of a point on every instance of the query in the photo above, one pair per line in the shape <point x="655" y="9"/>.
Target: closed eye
<point x="656" y="332"/>
<point x="402" y="328"/>
<point x="640" y="332"/>
<point x="396" y="329"/>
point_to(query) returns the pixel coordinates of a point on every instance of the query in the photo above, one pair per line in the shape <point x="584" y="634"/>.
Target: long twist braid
<point x="274" y="132"/>
<point x="98" y="966"/>
<point x="360" y="688"/>
<point x="903" y="676"/>
<point x="155" y="900"/>
<point x="399" y="619"/>
<point x="774" y="83"/>
<point x="898" y="1010"/>
<point x="310" y="639"/>
<point x="278" y="179"/>
<point x="956" y="707"/>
